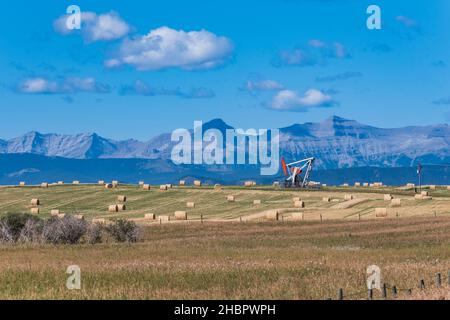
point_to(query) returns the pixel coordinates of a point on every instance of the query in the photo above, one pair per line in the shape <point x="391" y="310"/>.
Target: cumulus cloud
<point x="340" y="76"/>
<point x="103" y="27"/>
<point x="142" y="88"/>
<point x="261" y="85"/>
<point x="288" y="100"/>
<point x="316" y="52"/>
<point x="168" y="48"/>
<point x="66" y="86"/>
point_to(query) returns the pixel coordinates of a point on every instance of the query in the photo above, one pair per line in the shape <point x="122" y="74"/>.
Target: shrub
<point x="15" y="223"/>
<point x="67" y="230"/>
<point x="6" y="235"/>
<point x="94" y="233"/>
<point x="31" y="231"/>
<point x="124" y="231"/>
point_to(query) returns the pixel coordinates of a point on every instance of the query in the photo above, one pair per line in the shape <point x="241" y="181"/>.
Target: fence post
<point x="341" y="294"/>
<point x="422" y="284"/>
<point x="359" y="217"/>
<point x="438" y="280"/>
<point x="394" y="291"/>
<point x="384" y="291"/>
<point x="370" y="294"/>
<point x="201" y="217"/>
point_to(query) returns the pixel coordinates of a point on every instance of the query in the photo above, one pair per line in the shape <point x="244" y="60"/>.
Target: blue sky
<point x="138" y="68"/>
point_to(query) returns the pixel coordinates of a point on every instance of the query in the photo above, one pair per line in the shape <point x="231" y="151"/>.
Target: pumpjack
<point x="293" y="172"/>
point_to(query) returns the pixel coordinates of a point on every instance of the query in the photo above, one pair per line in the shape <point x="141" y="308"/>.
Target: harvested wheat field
<point x="234" y="251"/>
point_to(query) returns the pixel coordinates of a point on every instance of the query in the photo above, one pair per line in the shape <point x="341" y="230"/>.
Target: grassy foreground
<point x="270" y="260"/>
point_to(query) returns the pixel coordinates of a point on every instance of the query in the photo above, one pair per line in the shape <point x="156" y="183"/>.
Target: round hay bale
<point x="44" y="185"/>
<point x="169" y="186"/>
<point x="256" y="202"/>
<point x="231" y="198"/>
<point x="101" y="182"/>
<point x="388" y="197"/>
<point x="348" y="197"/>
<point x="299" y="204"/>
<point x="113" y="208"/>
<point x="35" y="202"/>
<point x="99" y="221"/>
<point x="34" y="210"/>
<point x="163" y="187"/>
<point x="146" y="187"/>
<point x="432" y="187"/>
<point x="297" y="215"/>
<point x="115" y="183"/>
<point x="180" y="215"/>
<point x="54" y="212"/>
<point x="396" y="203"/>
<point x="381" y="212"/>
<point x="60" y="182"/>
<point x="345" y="184"/>
<point x="448" y="187"/>
<point x="76" y="182"/>
<point x="357" y="184"/>
<point x="190" y="204"/>
<point x="141" y="183"/>
<point x="150" y="216"/>
<point x="272" y="215"/>
<point x="122" y="198"/>
<point x="217" y="187"/>
<point x="61" y="215"/>
<point x="21" y="183"/>
<point x="164" y="218"/>
<point x="121" y="207"/>
<point x="197" y="183"/>
<point x="296" y="199"/>
<point x="326" y="199"/>
<point x="424" y="193"/>
<point x="248" y="183"/>
<point x="79" y="216"/>
<point x="182" y="183"/>
<point x="108" y="186"/>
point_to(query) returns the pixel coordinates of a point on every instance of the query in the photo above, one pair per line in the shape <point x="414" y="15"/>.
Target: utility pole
<point x="419" y="173"/>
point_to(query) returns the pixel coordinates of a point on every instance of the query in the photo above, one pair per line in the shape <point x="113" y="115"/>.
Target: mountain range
<point x="336" y="143"/>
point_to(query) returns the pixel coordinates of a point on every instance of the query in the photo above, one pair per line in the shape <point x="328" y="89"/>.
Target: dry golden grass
<point x="270" y="260"/>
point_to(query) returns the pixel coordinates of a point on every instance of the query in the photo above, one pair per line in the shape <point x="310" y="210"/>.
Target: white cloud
<point x="168" y="48"/>
<point x="103" y="27"/>
<point x="262" y="85"/>
<point x="288" y="100"/>
<point x="66" y="86"/>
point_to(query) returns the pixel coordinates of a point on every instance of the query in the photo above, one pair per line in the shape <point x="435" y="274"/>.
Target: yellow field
<point x="93" y="201"/>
